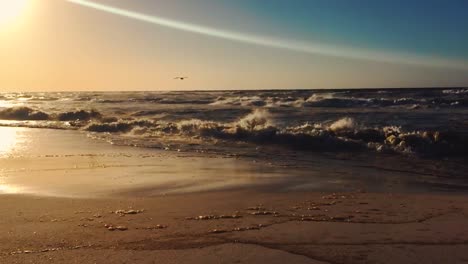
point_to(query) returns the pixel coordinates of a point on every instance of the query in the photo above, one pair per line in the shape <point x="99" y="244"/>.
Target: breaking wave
<point x="27" y="113"/>
<point x="259" y="128"/>
<point x="455" y="91"/>
<point x="331" y="100"/>
<point x="264" y="118"/>
<point x="22" y="113"/>
<point x="79" y="115"/>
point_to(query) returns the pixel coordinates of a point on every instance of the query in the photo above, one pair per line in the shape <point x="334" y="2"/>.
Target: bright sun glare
<point x="11" y="9"/>
<point x="8" y="140"/>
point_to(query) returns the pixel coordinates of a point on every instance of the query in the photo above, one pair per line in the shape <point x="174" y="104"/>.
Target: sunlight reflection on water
<point x="8" y="189"/>
<point x="7" y="140"/>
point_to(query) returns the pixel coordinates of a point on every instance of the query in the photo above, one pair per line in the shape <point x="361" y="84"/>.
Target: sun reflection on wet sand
<point x="69" y="164"/>
<point x="8" y="140"/>
<point x="8" y="189"/>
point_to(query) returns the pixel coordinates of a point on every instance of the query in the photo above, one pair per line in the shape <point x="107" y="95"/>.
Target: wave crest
<point x="80" y="115"/>
<point x="257" y="120"/>
<point x="23" y="113"/>
<point x="260" y="127"/>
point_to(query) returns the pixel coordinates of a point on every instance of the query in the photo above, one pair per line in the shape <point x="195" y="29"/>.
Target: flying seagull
<point x="180" y="78"/>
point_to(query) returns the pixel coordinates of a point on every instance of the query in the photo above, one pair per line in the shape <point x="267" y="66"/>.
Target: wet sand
<point x="236" y="227"/>
<point x="65" y="198"/>
<point x="60" y="163"/>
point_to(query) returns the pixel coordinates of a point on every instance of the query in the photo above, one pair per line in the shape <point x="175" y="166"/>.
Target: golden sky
<point x="55" y="45"/>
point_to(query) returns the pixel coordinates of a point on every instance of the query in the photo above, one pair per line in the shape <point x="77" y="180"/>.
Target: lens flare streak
<point x="310" y="48"/>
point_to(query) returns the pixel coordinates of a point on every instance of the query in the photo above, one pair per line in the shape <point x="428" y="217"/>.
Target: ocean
<point x="421" y="133"/>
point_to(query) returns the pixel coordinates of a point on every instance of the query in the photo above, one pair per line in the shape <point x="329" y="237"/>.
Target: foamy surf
<point x="426" y="122"/>
<point x="315" y="138"/>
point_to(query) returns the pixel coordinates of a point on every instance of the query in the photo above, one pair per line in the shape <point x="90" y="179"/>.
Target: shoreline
<point x="159" y="207"/>
<point x="236" y="226"/>
<point x="75" y="165"/>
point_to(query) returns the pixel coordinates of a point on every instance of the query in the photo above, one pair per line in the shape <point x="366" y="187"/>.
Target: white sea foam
<point x="343" y="124"/>
<point x="305" y="120"/>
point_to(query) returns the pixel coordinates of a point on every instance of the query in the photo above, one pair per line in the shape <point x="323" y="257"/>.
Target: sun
<point x="11" y="9"/>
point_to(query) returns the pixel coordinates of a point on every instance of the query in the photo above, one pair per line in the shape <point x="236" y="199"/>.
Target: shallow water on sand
<point x="71" y="164"/>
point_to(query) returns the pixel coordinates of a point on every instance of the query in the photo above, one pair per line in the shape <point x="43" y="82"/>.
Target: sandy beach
<point x="79" y="200"/>
<point x="236" y="227"/>
<point x="233" y="132"/>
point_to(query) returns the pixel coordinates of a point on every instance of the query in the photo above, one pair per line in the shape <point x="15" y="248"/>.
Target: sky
<point x="64" y="45"/>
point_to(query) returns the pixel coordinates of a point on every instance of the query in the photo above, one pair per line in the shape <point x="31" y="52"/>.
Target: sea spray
<point x="344" y="124"/>
<point x="257" y="120"/>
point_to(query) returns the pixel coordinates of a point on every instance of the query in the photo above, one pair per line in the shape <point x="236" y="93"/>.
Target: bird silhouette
<point x="180" y="78"/>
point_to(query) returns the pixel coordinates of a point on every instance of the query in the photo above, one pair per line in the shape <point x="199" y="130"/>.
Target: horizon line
<point x="257" y="89"/>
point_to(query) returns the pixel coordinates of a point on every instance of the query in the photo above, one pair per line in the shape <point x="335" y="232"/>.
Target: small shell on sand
<point x="229" y="216"/>
<point x="213" y="217"/>
<point x="240" y="229"/>
<point x="113" y="228"/>
<point x="154" y="227"/>
<point x="264" y="213"/>
<point x="218" y="231"/>
<point x="127" y="212"/>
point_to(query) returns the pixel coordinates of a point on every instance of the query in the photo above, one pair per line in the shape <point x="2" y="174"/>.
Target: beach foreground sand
<point x="236" y="227"/>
